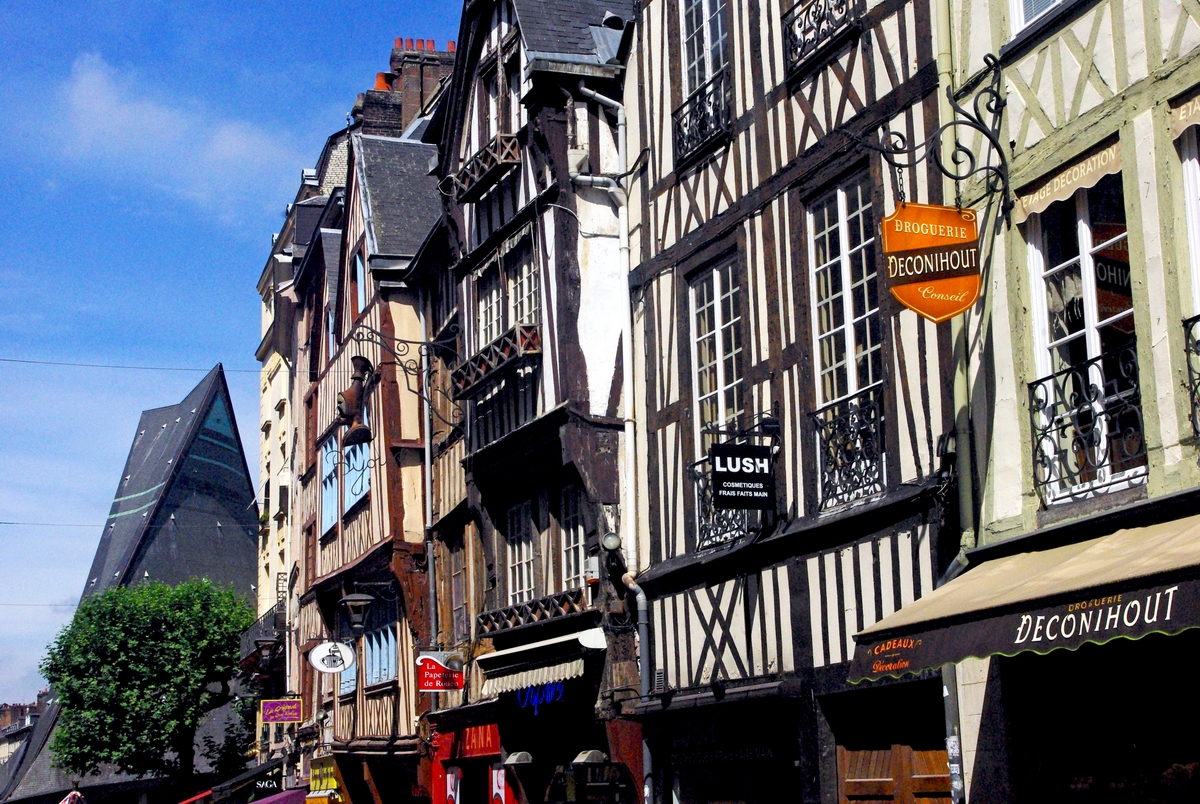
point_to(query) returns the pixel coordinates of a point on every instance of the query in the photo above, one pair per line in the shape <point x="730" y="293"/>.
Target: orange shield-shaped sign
<point x="931" y="256"/>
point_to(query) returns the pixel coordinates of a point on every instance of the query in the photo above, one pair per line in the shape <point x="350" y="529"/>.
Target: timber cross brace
<point x="981" y="115"/>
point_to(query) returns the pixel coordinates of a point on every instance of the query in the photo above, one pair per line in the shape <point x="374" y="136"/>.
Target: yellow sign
<point x="931" y="256"/>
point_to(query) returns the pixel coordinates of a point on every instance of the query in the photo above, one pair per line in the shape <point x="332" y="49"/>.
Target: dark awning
<point x="1128" y="584"/>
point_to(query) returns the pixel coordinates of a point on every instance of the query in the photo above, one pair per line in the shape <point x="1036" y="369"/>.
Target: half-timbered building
<point x="526" y="295"/>
<point x="1083" y="406"/>
<point x="760" y="317"/>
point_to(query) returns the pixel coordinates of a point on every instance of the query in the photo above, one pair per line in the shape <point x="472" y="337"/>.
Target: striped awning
<point x="557" y="659"/>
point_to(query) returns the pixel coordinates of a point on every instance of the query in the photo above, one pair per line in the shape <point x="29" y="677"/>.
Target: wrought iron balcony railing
<point x="812" y="25"/>
<point x="487" y="166"/>
<point x="717" y="526"/>
<point x="705" y="117"/>
<point x="850" y="445"/>
<point x="473" y="373"/>
<point x="552" y="607"/>
<point x="1191" y="347"/>
<point x="1088" y="434"/>
<point x="268" y="626"/>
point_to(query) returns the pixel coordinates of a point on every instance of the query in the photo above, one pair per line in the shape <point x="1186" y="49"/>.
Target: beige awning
<point x="1062" y="184"/>
<point x="557" y="659"/>
<point x="1185" y="113"/>
<point x="1128" y="584"/>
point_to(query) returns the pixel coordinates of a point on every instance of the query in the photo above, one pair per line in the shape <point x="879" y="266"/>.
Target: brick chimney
<point x="417" y="66"/>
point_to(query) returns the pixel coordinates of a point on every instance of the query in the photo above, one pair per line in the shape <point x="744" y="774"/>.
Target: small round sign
<point x="331" y="657"/>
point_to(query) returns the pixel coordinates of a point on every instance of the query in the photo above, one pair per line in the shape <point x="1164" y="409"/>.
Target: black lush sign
<point x="1095" y="616"/>
<point x="742" y="476"/>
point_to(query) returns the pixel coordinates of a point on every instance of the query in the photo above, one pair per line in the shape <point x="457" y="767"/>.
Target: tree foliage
<point x="136" y="671"/>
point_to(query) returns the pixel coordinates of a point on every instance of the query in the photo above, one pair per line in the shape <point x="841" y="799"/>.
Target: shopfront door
<point x="899" y="773"/>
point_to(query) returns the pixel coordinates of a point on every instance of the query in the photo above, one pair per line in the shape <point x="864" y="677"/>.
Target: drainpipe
<point x="643" y="626"/>
<point x="628" y="492"/>
<point x="426" y="399"/>
<point x="962" y="427"/>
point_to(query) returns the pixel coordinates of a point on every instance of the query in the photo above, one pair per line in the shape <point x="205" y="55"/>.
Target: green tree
<point x="136" y="671"/>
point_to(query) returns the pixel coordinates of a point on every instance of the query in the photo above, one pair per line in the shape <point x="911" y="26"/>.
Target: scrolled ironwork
<point x="413" y="359"/>
<point x="706" y="116"/>
<point x="717" y="526"/>
<point x="1086" y="420"/>
<point x="983" y="116"/>
<point x="850" y="445"/>
<point x="1191" y="347"/>
<point x="810" y="24"/>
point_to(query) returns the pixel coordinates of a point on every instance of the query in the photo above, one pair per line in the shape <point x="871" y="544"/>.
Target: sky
<point x="147" y="152"/>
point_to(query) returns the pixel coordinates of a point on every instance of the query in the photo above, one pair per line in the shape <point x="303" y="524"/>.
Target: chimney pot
<point x="398" y="42"/>
<point x="381" y="81"/>
<point x="408" y="44"/>
<point x="420" y="44"/>
<point x="450" y="46"/>
<point x="430" y="44"/>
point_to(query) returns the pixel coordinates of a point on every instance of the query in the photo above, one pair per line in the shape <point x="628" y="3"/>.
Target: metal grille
<point x="810" y="24"/>
<point x="850" y="444"/>
<point x="717" y="526"/>
<point x="1086" y="420"/>
<point x="705" y="117"/>
<point x="1191" y="346"/>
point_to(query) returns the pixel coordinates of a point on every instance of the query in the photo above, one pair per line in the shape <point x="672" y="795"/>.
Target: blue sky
<point x="147" y="152"/>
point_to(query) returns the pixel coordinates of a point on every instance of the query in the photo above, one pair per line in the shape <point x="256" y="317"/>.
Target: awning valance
<point x="1185" y="113"/>
<point x="1083" y="173"/>
<point x="557" y="659"/>
<point x="1128" y="584"/>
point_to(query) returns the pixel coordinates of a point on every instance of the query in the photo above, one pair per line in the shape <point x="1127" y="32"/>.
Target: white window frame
<point x="725" y="272"/>
<point x="848" y="320"/>
<point x="360" y="283"/>
<point x="574" y="547"/>
<point x="525" y="306"/>
<point x="709" y="9"/>
<point x="460" y="618"/>
<point x="330" y="508"/>
<point x="520" y="537"/>
<point x="357" y="458"/>
<point x="489" y="304"/>
<point x="380" y="655"/>
<point x="1017" y="8"/>
<point x="1106" y="481"/>
<point x="1191" y="198"/>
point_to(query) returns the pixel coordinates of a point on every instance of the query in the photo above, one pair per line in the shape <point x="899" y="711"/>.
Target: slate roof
<point x="562" y="26"/>
<point x="401" y="199"/>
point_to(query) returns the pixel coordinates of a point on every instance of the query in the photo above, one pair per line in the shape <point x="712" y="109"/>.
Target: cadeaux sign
<point x="931" y="258"/>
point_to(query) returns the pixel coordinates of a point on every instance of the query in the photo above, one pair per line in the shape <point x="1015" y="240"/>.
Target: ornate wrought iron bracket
<point x="412" y="357"/>
<point x="982" y="115"/>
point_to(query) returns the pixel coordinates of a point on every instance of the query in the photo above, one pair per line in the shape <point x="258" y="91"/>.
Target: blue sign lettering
<point x="538" y="694"/>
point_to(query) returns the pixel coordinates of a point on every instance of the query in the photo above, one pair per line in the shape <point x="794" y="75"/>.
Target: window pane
<point x="1060" y="236"/>
<point x="1064" y="302"/>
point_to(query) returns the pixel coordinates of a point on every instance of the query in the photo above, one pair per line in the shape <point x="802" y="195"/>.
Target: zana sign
<point x="742" y="476"/>
<point x="931" y="256"/>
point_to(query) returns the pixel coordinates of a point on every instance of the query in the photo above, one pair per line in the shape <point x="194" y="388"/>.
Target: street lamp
<point x="354" y="609"/>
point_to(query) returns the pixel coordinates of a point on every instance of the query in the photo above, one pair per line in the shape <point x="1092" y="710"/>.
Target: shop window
<point x="520" y="553"/>
<point x="380" y="656"/>
<point x="358" y="466"/>
<point x="848" y="342"/>
<point x="1086" y="412"/>
<point x="717" y="351"/>
<point x="329" y="485"/>
<point x="570" y="523"/>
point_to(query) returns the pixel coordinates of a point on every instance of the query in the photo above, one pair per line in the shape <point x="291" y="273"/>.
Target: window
<point x="1191" y="189"/>
<point x="570" y="524"/>
<point x="380" y="656"/>
<point x="524" y="293"/>
<point x="520" y="553"/>
<point x="357" y="473"/>
<point x="1026" y="11"/>
<point x="717" y="351"/>
<point x="459" y="615"/>
<point x="329" y="485"/>
<point x="1087" y="407"/>
<point x="331" y="333"/>
<point x="360" y="284"/>
<point x="490" y="296"/>
<point x="348" y="679"/>
<point x="705" y="41"/>
<point x="849" y="343"/>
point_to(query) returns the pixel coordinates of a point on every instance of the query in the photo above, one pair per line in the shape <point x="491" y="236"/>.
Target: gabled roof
<point x="400" y="199"/>
<point x="564" y="27"/>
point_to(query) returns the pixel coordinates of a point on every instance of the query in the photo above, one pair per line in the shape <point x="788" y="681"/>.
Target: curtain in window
<point x="329" y="485"/>
<point x="380" y="657"/>
<point x="358" y="469"/>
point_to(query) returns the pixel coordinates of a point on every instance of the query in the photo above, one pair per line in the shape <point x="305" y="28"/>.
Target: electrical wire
<point x="116" y="366"/>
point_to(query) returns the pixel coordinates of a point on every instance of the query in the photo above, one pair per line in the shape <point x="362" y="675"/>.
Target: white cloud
<point x="139" y="134"/>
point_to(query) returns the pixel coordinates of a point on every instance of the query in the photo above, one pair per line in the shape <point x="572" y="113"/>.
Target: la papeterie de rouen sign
<point x="1091" y="617"/>
<point x="931" y="257"/>
<point x="742" y="476"/>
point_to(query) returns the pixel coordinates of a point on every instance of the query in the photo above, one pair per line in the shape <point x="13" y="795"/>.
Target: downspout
<point x="628" y="492"/>
<point x="426" y="400"/>
<point x="962" y="428"/>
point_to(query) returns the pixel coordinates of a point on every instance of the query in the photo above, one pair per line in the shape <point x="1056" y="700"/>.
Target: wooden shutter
<point x="898" y="774"/>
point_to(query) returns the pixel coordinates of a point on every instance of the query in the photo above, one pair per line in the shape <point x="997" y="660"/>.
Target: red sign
<point x="477" y="741"/>
<point x="932" y="259"/>
<point x="438" y="671"/>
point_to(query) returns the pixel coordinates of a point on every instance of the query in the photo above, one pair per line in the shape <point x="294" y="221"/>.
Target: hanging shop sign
<point x="743" y="476"/>
<point x="323" y="779"/>
<point x="283" y="710"/>
<point x="331" y="657"/>
<point x="1097" y="617"/>
<point x="931" y="254"/>
<point x="439" y="670"/>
